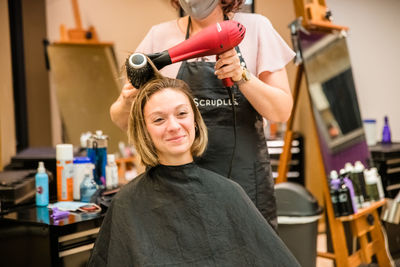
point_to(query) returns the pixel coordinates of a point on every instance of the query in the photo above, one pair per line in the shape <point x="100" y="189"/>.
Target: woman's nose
<point x="173" y="124"/>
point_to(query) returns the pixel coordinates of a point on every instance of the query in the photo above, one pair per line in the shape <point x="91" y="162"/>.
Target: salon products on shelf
<point x="361" y="186"/>
<point x="342" y="195"/>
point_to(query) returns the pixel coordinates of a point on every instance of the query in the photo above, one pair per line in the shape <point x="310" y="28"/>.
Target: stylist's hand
<point x="228" y="66"/>
<point x="128" y="94"/>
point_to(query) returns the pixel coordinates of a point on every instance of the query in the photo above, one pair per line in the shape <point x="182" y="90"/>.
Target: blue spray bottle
<point x="42" y="186"/>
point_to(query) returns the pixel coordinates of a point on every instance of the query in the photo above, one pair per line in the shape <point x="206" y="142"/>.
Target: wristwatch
<point x="246" y="75"/>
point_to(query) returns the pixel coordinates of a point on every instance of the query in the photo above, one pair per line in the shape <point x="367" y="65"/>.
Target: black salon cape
<point x="186" y="216"/>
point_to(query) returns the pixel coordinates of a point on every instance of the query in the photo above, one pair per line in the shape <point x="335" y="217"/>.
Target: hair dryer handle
<point x="228" y="82"/>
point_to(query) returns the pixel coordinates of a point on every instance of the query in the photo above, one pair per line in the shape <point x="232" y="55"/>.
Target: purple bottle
<point x="386" y="137"/>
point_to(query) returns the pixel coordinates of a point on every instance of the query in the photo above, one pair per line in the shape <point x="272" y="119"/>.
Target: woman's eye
<point x="158" y="120"/>
<point x="182" y="113"/>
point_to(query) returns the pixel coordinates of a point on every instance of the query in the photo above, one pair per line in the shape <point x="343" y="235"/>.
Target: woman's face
<point x="170" y="122"/>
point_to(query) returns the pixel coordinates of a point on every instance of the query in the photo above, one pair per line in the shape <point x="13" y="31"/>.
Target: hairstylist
<point x="258" y="68"/>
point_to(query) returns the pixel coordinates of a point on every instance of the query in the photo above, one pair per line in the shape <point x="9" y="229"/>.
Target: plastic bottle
<point x="111" y="172"/>
<point x="65" y="172"/>
<point x="333" y="186"/>
<point x="345" y="202"/>
<point x="97" y="152"/>
<point x="374" y="172"/>
<point x="88" y="186"/>
<point x="372" y="186"/>
<point x="358" y="172"/>
<point x="386" y="136"/>
<point x="349" y="184"/>
<point x="81" y="164"/>
<point x="348" y="172"/>
<point x="42" y="186"/>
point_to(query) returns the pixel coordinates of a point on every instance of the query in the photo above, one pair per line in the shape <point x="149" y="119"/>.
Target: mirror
<point x="86" y="82"/>
<point x="334" y="99"/>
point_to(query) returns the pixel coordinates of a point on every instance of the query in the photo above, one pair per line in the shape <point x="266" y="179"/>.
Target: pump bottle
<point x="333" y="186"/>
<point x="111" y="172"/>
<point x="42" y="186"/>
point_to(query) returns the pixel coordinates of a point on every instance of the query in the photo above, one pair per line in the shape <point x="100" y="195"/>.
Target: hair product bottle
<point x="334" y="192"/>
<point x="97" y="152"/>
<point x="345" y="202"/>
<point x="378" y="178"/>
<point x="111" y="172"/>
<point x="358" y="172"/>
<point x="65" y="172"/>
<point x="348" y="172"/>
<point x="386" y="136"/>
<point x="88" y="186"/>
<point x="42" y="186"/>
<point x="372" y="186"/>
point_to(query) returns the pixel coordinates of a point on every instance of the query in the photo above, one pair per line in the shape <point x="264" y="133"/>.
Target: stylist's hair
<point x="137" y="130"/>
<point x="227" y="5"/>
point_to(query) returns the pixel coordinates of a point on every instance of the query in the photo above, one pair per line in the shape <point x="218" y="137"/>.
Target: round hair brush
<point x="139" y="70"/>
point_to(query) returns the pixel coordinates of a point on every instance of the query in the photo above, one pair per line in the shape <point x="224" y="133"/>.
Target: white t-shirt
<point x="263" y="49"/>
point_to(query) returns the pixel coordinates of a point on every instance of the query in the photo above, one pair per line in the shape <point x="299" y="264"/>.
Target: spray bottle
<point x="42" y="186"/>
<point x="65" y="172"/>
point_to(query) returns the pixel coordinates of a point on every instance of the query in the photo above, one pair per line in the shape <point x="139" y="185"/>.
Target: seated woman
<point x="176" y="213"/>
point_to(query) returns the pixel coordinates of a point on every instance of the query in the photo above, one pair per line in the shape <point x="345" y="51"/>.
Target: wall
<point x="37" y="81"/>
<point x="123" y="22"/>
<point x="373" y="41"/>
<point x="7" y="127"/>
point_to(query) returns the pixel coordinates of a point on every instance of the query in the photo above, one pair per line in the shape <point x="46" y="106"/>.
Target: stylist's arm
<point x="120" y="109"/>
<point x="269" y="93"/>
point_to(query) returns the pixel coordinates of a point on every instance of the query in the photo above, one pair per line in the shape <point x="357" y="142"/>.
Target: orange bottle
<point x="65" y="172"/>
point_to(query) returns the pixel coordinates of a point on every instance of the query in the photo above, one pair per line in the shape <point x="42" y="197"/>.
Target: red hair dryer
<point x="213" y="40"/>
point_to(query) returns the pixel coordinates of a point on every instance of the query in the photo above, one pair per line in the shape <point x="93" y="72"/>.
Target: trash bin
<point x="298" y="214"/>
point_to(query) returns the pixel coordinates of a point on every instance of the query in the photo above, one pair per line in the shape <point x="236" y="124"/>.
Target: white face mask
<point x="198" y="9"/>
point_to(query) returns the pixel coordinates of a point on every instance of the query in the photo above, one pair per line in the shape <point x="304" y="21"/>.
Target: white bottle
<point x="111" y="172"/>
<point x="372" y="186"/>
<point x="375" y="173"/>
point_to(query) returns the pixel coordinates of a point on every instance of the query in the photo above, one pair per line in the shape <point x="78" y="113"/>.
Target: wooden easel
<point x="78" y="35"/>
<point x="365" y="224"/>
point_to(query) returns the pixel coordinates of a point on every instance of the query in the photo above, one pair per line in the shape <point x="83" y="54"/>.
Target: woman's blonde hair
<point x="137" y="130"/>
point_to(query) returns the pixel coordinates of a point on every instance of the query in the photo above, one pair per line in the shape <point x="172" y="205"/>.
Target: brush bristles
<point x="138" y="70"/>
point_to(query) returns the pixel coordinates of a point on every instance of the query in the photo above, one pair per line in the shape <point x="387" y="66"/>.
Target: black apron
<point x="251" y="165"/>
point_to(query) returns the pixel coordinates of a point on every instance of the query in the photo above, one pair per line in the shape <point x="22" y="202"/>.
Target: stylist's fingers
<point x="129" y="92"/>
<point x="228" y="66"/>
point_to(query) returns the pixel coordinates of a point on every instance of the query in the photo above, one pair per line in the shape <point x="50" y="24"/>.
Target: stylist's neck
<point x="176" y="160"/>
<point x="216" y="16"/>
